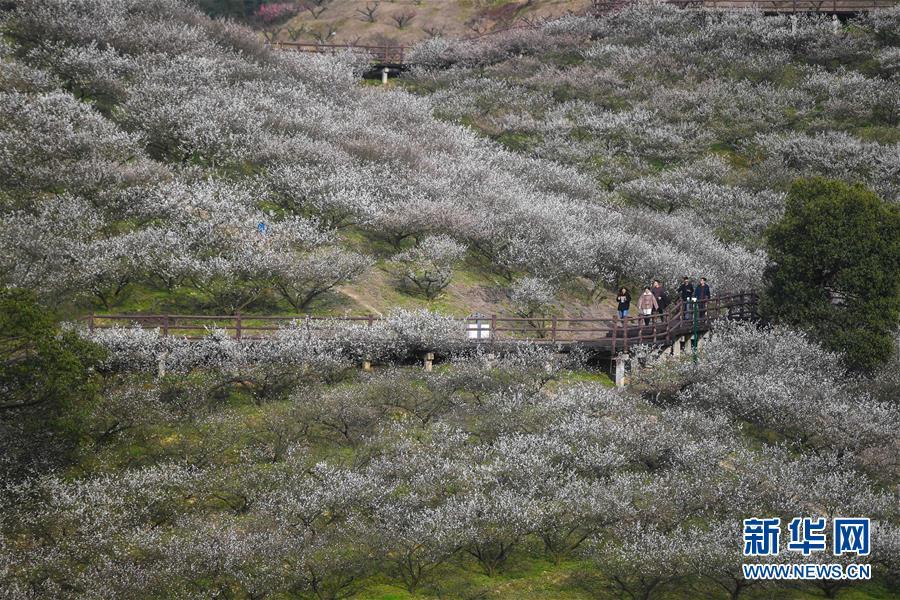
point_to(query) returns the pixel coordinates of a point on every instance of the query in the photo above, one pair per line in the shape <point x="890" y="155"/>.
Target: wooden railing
<point x="682" y="318"/>
<point x="621" y="334"/>
<point x="613" y="334"/>
<point x="390" y="55"/>
<point x="237" y="325"/>
<point x="787" y="6"/>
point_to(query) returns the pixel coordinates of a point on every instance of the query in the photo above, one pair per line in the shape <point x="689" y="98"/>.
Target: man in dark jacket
<point x="686" y="291"/>
<point x="702" y="293"/>
<point x="661" y="295"/>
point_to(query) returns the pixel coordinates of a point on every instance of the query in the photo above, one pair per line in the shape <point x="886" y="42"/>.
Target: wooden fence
<point x="385" y="55"/>
<point x="195" y="327"/>
<point x="608" y="334"/>
<point x="789" y="6"/>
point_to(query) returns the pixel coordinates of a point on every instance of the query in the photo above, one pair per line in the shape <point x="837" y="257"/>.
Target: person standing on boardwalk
<point x="686" y="291"/>
<point x="661" y="295"/>
<point x="702" y="293"/>
<point x="647" y="304"/>
<point x="624" y="302"/>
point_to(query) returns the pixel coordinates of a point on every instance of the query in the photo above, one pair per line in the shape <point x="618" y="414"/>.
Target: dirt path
<point x="350" y="293"/>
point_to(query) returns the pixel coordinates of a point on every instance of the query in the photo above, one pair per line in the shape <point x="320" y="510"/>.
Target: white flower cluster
<point x="176" y="147"/>
<point x="320" y="343"/>
<point x="651" y="494"/>
<point x="428" y="266"/>
<point x="698" y="119"/>
<point x="780" y="380"/>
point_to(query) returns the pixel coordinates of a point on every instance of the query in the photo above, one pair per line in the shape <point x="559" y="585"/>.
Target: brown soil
<point x="451" y="18"/>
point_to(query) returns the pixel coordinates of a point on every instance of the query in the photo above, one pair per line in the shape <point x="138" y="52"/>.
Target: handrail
<point x="784" y="6"/>
<point x="618" y="334"/>
<point x="383" y="53"/>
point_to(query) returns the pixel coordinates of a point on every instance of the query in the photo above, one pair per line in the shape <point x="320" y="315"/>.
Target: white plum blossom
<point x="428" y="266"/>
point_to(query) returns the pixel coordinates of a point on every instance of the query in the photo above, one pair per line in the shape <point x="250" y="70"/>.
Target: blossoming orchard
<point x="326" y="299"/>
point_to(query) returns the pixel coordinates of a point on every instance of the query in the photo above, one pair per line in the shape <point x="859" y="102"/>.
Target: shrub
<point x="48" y="381"/>
<point x="835" y="255"/>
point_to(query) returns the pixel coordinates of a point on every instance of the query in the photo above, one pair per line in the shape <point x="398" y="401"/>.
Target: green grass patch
<point x="877" y="133"/>
<point x="570" y="377"/>
<point x="517" y="141"/>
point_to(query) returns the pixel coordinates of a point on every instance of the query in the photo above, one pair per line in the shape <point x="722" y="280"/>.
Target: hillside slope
<point x="151" y="157"/>
<point x="707" y="117"/>
<point x="379" y="22"/>
<point x="141" y="166"/>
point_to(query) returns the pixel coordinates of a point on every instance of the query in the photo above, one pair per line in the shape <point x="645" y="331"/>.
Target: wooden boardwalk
<point x="604" y="335"/>
<point x="381" y="56"/>
<point x="838" y="7"/>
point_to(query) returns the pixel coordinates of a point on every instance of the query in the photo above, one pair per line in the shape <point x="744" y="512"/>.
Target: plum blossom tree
<point x="88" y="71"/>
<point x="420" y="538"/>
<point x="428" y="266"/>
<point x="499" y="518"/>
<point x="644" y="560"/>
<point x="317" y="511"/>
<point x="51" y="141"/>
<point x="832" y="154"/>
<point x="817" y="409"/>
<point x="532" y="297"/>
<point x="302" y="281"/>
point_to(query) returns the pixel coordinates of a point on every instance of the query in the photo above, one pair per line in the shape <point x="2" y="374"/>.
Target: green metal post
<point x="696" y="339"/>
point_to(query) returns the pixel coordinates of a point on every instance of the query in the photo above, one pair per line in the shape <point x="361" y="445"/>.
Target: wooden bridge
<point x="607" y="336"/>
<point x="836" y="7"/>
<point x="384" y="61"/>
<point x="389" y="56"/>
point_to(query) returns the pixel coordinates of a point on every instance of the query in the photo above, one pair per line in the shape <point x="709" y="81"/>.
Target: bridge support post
<point x="700" y="341"/>
<point x="677" y="346"/>
<point x="429" y="361"/>
<point x="619" y="362"/>
<point x="161" y="364"/>
<point x="384" y="76"/>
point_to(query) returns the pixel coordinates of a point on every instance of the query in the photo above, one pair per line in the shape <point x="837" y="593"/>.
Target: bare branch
<point x="368" y="13"/>
<point x="403" y="18"/>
